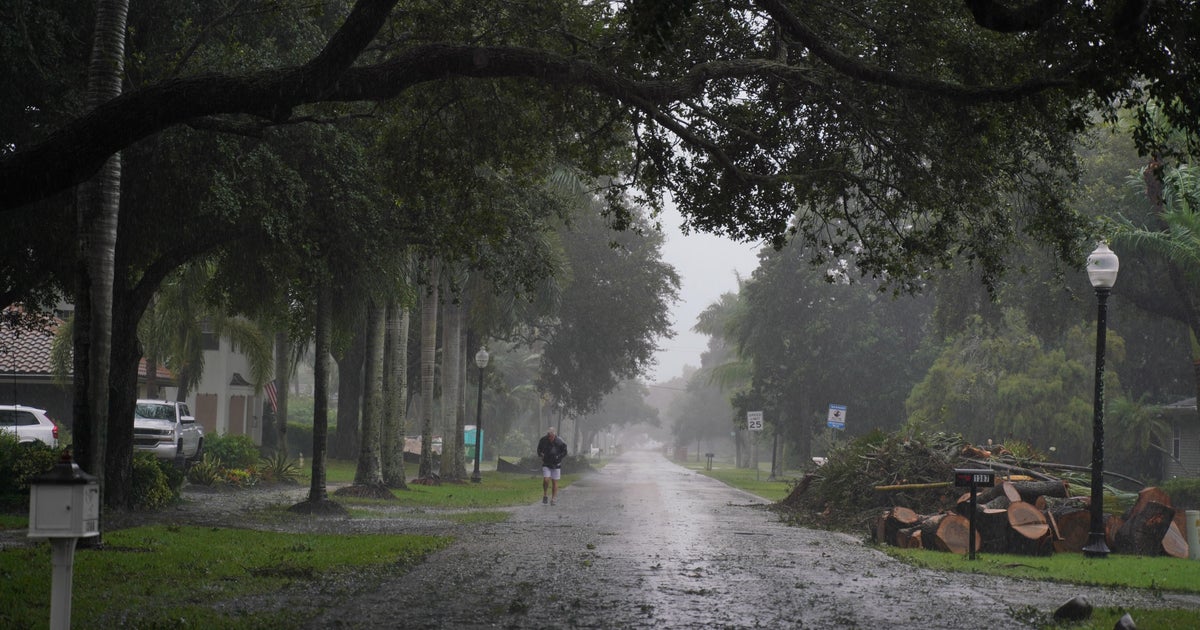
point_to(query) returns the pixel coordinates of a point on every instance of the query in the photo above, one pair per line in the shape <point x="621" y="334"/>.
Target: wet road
<point x="645" y="543"/>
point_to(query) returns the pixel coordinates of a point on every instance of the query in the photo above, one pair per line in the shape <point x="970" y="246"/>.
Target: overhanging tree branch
<point x="74" y="152"/>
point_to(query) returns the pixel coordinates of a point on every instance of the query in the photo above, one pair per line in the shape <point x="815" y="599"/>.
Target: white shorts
<point x="552" y="473"/>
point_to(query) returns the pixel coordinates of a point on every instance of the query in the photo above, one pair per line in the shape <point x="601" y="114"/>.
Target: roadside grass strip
<point x="169" y="576"/>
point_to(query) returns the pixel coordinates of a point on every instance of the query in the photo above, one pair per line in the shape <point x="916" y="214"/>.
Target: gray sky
<point x="706" y="265"/>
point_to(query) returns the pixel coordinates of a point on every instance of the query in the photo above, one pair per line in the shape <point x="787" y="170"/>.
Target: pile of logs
<point x="1037" y="518"/>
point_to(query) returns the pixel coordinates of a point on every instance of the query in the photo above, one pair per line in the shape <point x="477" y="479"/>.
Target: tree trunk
<point x="126" y="353"/>
<point x="283" y="378"/>
<point x="396" y="401"/>
<point x="452" y="454"/>
<point x="429" y="312"/>
<point x="346" y="439"/>
<point x="466" y="359"/>
<point x="370" y="469"/>
<point x="97" y="207"/>
<point x="317" y="490"/>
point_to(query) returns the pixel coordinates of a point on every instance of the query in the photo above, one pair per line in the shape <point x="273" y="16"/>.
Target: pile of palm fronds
<point x="881" y="470"/>
<point x="914" y="472"/>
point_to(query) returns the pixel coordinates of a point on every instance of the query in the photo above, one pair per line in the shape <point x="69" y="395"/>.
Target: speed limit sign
<point x="754" y="420"/>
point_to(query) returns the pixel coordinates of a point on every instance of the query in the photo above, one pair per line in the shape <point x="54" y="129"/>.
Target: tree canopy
<point x="908" y="133"/>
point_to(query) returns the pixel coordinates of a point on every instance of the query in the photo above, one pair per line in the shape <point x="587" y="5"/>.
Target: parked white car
<point x="167" y="429"/>
<point x="29" y="424"/>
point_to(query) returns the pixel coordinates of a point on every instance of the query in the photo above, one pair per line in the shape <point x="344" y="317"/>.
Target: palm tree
<point x="174" y="325"/>
<point x="1177" y="241"/>
<point x="429" y="315"/>
<point x="318" y="498"/>
<point x="395" y="395"/>
<point x="98" y="203"/>
<point x="452" y="468"/>
<point x="368" y="478"/>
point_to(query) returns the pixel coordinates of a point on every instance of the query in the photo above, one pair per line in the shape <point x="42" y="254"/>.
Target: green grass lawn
<point x="748" y="479"/>
<point x="138" y="580"/>
<point x="494" y="490"/>
<point x="167" y="576"/>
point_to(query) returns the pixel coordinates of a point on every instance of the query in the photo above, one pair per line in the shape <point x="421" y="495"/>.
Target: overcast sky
<point x="707" y="267"/>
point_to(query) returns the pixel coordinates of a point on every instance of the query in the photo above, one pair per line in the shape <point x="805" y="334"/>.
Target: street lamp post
<point x="481" y="359"/>
<point x="1102" y="267"/>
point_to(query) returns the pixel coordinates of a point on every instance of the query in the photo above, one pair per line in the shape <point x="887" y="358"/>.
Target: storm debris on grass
<point x="842" y="494"/>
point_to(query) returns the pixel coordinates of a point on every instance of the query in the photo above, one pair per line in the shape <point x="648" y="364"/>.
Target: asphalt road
<point x="644" y="543"/>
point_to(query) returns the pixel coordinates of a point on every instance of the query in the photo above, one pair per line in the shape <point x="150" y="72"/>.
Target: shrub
<point x="1184" y="493"/>
<point x="277" y="468"/>
<point x="235" y="451"/>
<point x="240" y="478"/>
<point x="20" y="462"/>
<point x="152" y="489"/>
<point x="207" y="471"/>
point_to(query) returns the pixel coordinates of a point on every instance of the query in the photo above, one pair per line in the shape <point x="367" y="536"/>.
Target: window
<point x="208" y="339"/>
<point x="1176" y="438"/>
<point x="12" y="417"/>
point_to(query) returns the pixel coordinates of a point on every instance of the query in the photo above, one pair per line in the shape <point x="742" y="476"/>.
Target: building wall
<point x="1185" y="424"/>
<point x="224" y="403"/>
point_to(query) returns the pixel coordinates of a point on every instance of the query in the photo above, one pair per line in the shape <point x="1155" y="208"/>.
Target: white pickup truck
<point x="167" y="429"/>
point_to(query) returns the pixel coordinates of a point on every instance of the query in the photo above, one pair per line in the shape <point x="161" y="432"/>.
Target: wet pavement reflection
<point x="644" y="543"/>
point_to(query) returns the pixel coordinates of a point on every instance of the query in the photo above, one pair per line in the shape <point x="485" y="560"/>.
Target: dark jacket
<point x="552" y="453"/>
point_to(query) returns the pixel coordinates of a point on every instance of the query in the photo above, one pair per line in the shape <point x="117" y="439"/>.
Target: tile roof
<point x="24" y="351"/>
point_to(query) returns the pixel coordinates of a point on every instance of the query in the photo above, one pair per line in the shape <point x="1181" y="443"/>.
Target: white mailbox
<point x="64" y="502"/>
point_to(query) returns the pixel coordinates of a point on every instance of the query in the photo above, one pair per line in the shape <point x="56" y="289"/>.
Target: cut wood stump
<point x="1151" y="494"/>
<point x="909" y="538"/>
<point x="1028" y="532"/>
<point x="947" y="532"/>
<point x="1175" y="544"/>
<point x="1074" y="526"/>
<point x="1145" y="527"/>
<point x="892" y="521"/>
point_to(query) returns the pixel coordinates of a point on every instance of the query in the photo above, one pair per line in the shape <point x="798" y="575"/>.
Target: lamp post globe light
<point x="1102" y="267"/>
<point x="481" y="359"/>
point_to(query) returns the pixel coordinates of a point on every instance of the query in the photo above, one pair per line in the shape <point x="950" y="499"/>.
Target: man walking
<point x="552" y="450"/>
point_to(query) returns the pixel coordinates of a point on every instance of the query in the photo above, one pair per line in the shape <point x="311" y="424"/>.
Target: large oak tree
<point x="946" y="124"/>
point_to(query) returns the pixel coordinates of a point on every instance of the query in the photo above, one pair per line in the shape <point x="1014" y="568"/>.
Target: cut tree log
<point x="1174" y="544"/>
<point x="1151" y="494"/>
<point x="1074" y="522"/>
<point x="909" y="538"/>
<point x="1028" y="531"/>
<point x="1145" y="527"/>
<point x="1029" y="491"/>
<point x="892" y="521"/>
<point x="947" y="531"/>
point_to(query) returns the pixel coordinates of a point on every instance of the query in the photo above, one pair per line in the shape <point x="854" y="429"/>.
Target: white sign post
<point x="837" y="417"/>
<point x="754" y="422"/>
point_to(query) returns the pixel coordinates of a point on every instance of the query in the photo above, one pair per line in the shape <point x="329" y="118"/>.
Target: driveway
<point x="645" y="543"/>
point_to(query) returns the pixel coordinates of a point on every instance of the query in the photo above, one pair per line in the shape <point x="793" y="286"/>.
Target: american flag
<point x="270" y="389"/>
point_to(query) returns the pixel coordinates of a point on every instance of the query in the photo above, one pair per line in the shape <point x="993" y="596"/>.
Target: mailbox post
<point x="974" y="478"/>
<point x="64" y="506"/>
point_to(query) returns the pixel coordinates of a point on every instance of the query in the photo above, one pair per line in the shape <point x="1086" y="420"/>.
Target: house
<point x="223" y="403"/>
<point x="1184" y="447"/>
<point x="26" y="376"/>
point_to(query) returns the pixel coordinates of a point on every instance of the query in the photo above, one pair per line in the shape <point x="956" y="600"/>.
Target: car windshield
<point x="155" y="411"/>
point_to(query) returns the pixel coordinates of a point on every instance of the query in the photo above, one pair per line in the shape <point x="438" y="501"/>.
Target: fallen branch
<point x="914" y="486"/>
